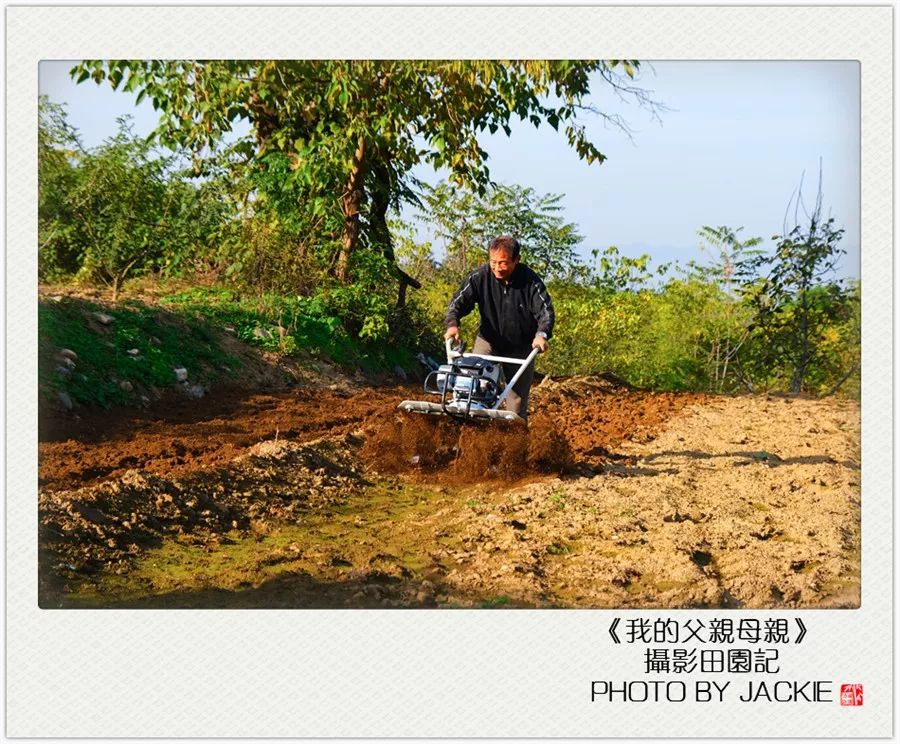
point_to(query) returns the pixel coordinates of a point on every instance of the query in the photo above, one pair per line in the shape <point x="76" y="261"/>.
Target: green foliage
<point x="316" y="110"/>
<point x="119" y="210"/>
<point x="122" y="201"/>
<point x="650" y="338"/>
<point x="60" y="238"/>
<point x="795" y="304"/>
<point x="258" y="253"/>
<point x="733" y="260"/>
<point x="349" y="132"/>
<point x="733" y="267"/>
<point x="613" y="272"/>
<point x="467" y="221"/>
<point x="164" y="341"/>
<point x="493" y="603"/>
<point x="269" y="321"/>
<point x="293" y="223"/>
<point x="308" y="326"/>
<point x="811" y="343"/>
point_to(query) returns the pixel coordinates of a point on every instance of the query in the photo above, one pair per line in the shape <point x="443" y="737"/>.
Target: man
<point x="516" y="314"/>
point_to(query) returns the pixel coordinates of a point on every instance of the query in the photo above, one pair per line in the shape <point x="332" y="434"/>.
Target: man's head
<point x="503" y="254"/>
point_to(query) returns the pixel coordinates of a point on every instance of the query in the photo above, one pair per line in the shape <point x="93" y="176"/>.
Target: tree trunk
<point x="351" y="200"/>
<point x="381" y="234"/>
<point x="846" y="376"/>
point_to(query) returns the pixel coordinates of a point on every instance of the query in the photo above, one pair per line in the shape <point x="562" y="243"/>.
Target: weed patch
<point x="134" y="344"/>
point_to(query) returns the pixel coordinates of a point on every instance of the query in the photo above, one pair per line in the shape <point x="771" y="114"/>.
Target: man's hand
<point x="452" y="332"/>
<point x="540" y="343"/>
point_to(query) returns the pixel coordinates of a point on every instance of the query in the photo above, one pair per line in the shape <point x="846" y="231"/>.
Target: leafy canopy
<point x="467" y="221"/>
<point x="409" y="109"/>
<point x="318" y="112"/>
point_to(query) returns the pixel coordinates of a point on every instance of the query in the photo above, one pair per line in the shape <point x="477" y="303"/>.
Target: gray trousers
<point x="517" y="400"/>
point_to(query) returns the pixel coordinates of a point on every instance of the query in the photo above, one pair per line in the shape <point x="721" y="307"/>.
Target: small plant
<point x="494" y="602"/>
<point x="558" y="548"/>
<point x="556" y="497"/>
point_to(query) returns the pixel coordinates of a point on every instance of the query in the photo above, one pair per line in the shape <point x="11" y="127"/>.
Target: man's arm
<point x="461" y="304"/>
<point x="542" y="309"/>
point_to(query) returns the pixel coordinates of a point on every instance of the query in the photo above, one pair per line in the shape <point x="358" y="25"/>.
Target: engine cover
<point x="472" y="380"/>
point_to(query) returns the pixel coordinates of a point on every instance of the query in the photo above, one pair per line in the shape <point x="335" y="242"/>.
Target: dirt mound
<point x="467" y="452"/>
<point x="105" y="526"/>
<point x="590" y="416"/>
<point x="599" y="413"/>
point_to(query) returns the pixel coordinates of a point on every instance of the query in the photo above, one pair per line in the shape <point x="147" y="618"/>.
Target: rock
<point x="181" y="374"/>
<point x="133" y="352"/>
<point x="67" y="363"/>
<point x="400" y="372"/>
<point x="63" y="370"/>
<point x="261" y="333"/>
<point x="126" y="386"/>
<point x="68" y="354"/>
<point x="194" y="391"/>
<point x="145" y="401"/>
<point x="65" y="399"/>
<point x="425" y="599"/>
<point x="103" y="318"/>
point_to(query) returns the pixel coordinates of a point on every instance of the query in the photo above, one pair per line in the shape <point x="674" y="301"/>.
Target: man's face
<point x="503" y="264"/>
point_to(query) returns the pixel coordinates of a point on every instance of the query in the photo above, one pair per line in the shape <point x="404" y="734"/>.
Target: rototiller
<point x="469" y="386"/>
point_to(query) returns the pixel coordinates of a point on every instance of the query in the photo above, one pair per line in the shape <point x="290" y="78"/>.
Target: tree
<point x="793" y="303"/>
<point x="728" y="324"/>
<point x="59" y="240"/>
<point x="354" y="129"/>
<point x="132" y="212"/>
<point x="732" y="259"/>
<point x="467" y="221"/>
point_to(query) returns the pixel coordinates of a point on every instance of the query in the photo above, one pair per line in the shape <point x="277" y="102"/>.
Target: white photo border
<point x="242" y="673"/>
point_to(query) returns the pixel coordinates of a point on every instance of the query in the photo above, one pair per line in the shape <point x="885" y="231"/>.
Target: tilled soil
<point x="330" y="498"/>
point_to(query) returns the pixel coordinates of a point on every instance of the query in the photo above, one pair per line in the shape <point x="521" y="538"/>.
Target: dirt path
<point x="329" y="499"/>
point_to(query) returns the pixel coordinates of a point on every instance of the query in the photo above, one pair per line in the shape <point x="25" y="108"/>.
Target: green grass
<point x="164" y="341"/>
<point x="287" y="325"/>
<point x="493" y="603"/>
<point x="558" y="548"/>
<point x="185" y="330"/>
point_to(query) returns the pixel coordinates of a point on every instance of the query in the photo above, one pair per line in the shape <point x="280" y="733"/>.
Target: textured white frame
<point x="415" y="673"/>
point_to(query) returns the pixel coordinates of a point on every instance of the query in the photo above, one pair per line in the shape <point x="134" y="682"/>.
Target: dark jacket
<point x="511" y="313"/>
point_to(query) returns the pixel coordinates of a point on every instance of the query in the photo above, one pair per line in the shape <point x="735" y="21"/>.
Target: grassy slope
<point x="193" y="329"/>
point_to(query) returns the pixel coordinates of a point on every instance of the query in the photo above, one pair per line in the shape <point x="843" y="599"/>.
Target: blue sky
<point x="730" y="150"/>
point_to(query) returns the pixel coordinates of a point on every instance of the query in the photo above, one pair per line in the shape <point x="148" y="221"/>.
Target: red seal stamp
<point x="851" y="694"/>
